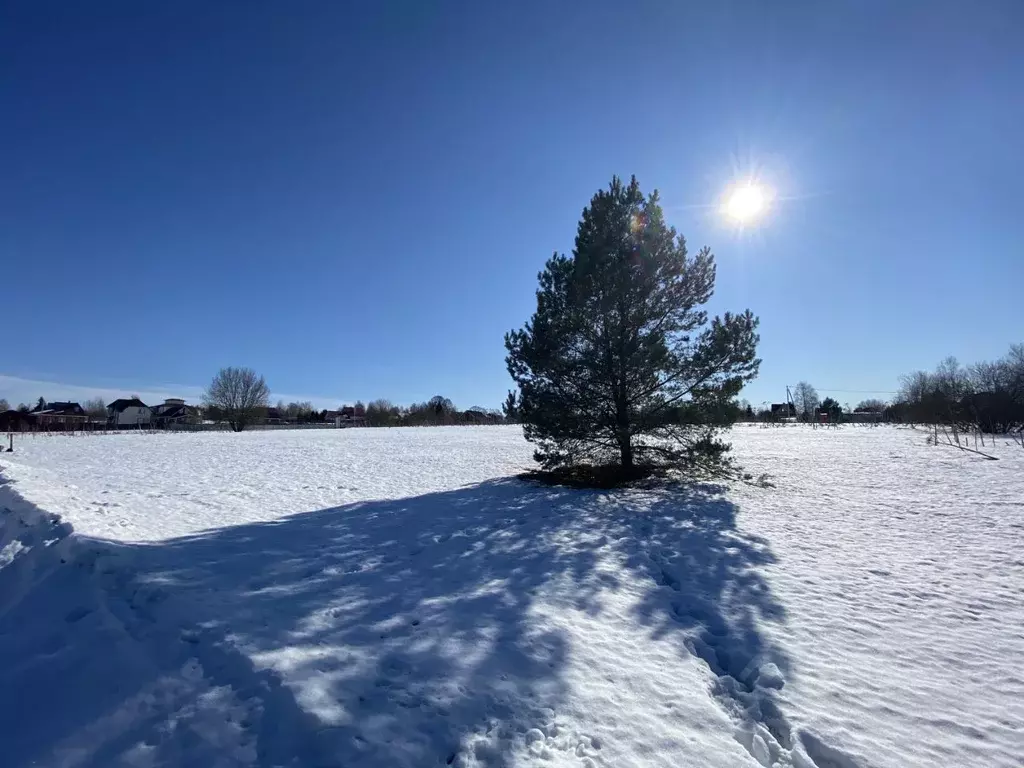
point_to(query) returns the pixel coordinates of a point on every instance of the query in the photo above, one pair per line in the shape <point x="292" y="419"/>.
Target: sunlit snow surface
<point x="394" y="598"/>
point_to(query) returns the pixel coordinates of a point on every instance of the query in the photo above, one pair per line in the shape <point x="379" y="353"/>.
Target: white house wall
<point x="133" y="415"/>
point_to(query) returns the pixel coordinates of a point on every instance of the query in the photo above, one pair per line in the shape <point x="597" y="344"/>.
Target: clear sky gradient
<point x="355" y="198"/>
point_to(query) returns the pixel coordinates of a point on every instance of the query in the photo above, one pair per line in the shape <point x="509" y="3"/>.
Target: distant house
<point x="173" y="412"/>
<point x="128" y="413"/>
<point x="347" y="416"/>
<point x="480" y="416"/>
<point x="783" y="411"/>
<point x="59" y="415"/>
<point x="16" y="421"/>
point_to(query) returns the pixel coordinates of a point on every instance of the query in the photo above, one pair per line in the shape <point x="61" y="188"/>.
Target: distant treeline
<point x="437" y="411"/>
<point x="989" y="395"/>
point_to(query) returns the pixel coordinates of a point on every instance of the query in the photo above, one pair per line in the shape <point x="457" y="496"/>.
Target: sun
<point x="746" y="203"/>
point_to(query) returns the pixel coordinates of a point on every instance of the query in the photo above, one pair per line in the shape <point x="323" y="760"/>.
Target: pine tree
<point x="620" y="363"/>
<point x="510" y="408"/>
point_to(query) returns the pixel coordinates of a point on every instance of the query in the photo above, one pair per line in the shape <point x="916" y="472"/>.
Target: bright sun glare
<point x="746" y="203"/>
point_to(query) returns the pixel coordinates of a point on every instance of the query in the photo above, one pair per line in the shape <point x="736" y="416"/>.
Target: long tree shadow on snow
<point x="711" y="590"/>
<point x="404" y="628"/>
<point x="424" y="631"/>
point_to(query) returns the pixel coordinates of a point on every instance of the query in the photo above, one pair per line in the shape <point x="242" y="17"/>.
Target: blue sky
<point x="355" y="198"/>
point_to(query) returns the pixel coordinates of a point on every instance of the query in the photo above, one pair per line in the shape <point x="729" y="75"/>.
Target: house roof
<point x="59" y="407"/>
<point x="166" y="406"/>
<point x="176" y="411"/>
<point x="127" y="402"/>
<point x="169" y="403"/>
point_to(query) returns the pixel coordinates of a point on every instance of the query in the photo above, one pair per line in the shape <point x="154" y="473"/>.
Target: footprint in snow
<point x="77" y="614"/>
<point x="666" y="579"/>
<point x="825" y="755"/>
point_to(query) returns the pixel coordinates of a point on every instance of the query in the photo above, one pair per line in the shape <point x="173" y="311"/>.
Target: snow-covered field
<point x="395" y="598"/>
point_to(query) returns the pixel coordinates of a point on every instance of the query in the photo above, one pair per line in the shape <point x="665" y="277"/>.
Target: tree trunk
<point x="626" y="451"/>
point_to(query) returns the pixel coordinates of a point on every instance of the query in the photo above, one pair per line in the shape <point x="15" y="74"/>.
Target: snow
<point x="151" y="487"/>
<point x="395" y="598"/>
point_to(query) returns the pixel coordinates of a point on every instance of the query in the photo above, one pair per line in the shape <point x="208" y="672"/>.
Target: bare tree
<point x="239" y="394"/>
<point x="1011" y="370"/>
<point x="296" y="411"/>
<point x="805" y="398"/>
<point x="95" y="407"/>
<point x="4" y="405"/>
<point x="996" y="398"/>
<point x="381" y="413"/>
<point x="871" y="405"/>
<point x="951" y="380"/>
<point x="914" y="387"/>
<point x="988" y="395"/>
<point x="442" y="409"/>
